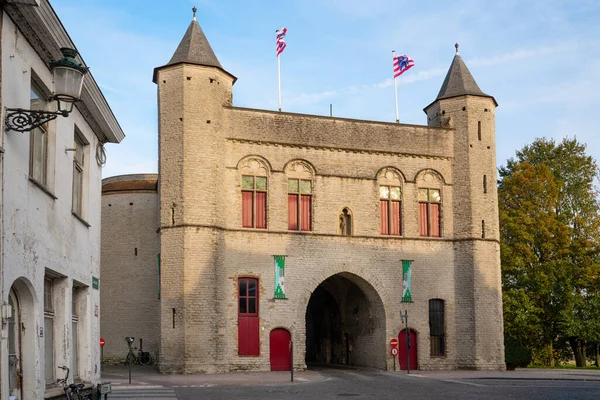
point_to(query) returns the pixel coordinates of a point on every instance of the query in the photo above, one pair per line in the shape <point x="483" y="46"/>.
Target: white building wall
<point x="41" y="233"/>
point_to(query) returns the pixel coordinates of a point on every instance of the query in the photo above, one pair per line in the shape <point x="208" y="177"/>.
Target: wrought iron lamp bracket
<point x="22" y="120"/>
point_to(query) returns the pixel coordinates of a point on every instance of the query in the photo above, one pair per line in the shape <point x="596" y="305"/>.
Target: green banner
<point x="406" y="281"/>
<point x="279" y="277"/>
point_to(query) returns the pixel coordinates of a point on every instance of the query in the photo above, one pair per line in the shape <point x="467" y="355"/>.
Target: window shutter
<point x="261" y="210"/>
<point x="305" y="202"/>
<point x="384" y="220"/>
<point x="423" y="219"/>
<point x="435" y="220"/>
<point x="292" y="212"/>
<point x="247" y="209"/>
<point x="395" y="218"/>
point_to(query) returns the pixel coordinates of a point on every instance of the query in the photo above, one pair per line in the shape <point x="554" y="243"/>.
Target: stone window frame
<point x="255" y="167"/>
<point x="391" y="177"/>
<point x="430" y="180"/>
<point x="301" y="170"/>
<point x="346" y="222"/>
<point x="437" y="327"/>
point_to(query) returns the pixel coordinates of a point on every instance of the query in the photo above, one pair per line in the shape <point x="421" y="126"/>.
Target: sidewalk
<point x="518" y="374"/>
<point x="148" y="376"/>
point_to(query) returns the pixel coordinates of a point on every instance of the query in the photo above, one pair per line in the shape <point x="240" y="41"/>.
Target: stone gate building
<point x="276" y="226"/>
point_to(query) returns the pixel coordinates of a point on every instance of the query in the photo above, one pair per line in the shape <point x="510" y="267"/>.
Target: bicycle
<point x="142" y="357"/>
<point x="73" y="389"/>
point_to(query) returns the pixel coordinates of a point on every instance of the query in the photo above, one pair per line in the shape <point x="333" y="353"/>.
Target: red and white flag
<point x="280" y="42"/>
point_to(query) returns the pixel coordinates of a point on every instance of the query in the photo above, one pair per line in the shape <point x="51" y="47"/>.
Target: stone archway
<point x="23" y="374"/>
<point x="345" y="323"/>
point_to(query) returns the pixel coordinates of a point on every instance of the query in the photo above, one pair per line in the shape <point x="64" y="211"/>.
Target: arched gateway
<point x="345" y="323"/>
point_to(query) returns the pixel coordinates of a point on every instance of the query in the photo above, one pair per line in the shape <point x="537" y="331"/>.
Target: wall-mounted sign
<point x="95" y="283"/>
<point x="279" y="277"/>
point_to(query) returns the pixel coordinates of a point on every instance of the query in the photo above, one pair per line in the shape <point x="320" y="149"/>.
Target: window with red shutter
<point x="248" y="333"/>
<point x="299" y="204"/>
<point x="390" y="204"/>
<point x="254" y="202"/>
<point x="429" y="212"/>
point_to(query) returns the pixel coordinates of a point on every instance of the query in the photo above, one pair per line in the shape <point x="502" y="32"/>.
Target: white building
<point x="50" y="197"/>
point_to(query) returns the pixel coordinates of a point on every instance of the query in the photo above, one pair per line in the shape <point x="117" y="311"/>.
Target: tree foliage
<point x="550" y="233"/>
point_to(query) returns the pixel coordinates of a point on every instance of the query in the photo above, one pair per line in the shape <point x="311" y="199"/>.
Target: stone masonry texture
<point x="193" y="218"/>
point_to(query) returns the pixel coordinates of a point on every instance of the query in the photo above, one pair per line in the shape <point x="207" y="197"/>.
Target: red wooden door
<point x="280" y="349"/>
<point x="412" y="352"/>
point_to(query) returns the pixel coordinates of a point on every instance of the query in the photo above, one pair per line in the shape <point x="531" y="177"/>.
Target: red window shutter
<point x="435" y="220"/>
<point x="305" y="204"/>
<point x="247" y="209"/>
<point x="395" y="218"/>
<point x="292" y="212"/>
<point x="261" y="210"/>
<point x="384" y="220"/>
<point x="423" y="219"/>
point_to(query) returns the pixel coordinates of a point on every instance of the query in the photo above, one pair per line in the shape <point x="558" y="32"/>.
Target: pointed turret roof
<point x="459" y="82"/>
<point x="194" y="49"/>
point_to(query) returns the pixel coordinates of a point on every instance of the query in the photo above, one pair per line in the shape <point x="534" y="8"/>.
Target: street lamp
<point x="68" y="80"/>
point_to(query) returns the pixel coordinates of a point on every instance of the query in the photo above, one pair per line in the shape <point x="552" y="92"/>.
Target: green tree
<point x="550" y="232"/>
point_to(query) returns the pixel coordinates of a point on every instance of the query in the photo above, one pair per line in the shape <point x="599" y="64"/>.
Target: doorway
<point x="345" y="323"/>
<point x="279" y="343"/>
<point x="412" y="351"/>
<point x="14" y="347"/>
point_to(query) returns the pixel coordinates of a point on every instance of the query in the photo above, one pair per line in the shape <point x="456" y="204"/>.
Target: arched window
<point x="300" y="191"/>
<point x="390" y="202"/>
<point x="436" y="328"/>
<point x="345" y="219"/>
<point x="430" y="202"/>
<point x="254" y="194"/>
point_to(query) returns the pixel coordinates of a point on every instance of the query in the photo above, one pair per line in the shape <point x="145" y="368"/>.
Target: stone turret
<point x="462" y="105"/>
<point x="193" y="89"/>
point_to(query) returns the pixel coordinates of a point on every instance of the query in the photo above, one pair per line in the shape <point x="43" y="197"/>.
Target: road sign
<point x="102" y="342"/>
<point x="394" y="351"/>
<point x="394" y="343"/>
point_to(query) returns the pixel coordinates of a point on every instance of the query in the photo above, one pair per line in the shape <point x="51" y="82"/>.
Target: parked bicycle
<point x="73" y="391"/>
<point x="142" y="357"/>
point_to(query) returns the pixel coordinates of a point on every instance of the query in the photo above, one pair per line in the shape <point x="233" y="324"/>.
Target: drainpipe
<point x="3" y="336"/>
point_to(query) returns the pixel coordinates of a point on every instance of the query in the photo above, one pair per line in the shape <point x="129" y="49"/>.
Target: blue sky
<point x="539" y="59"/>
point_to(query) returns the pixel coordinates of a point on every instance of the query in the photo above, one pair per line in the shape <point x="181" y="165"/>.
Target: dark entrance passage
<point x="345" y="323"/>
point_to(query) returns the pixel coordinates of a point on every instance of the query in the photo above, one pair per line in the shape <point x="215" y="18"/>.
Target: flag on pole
<point x="406" y="281"/>
<point x="279" y="42"/>
<point x="402" y="64"/>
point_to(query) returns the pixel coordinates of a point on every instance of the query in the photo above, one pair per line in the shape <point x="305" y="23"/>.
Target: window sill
<point x="83" y="221"/>
<point x="43" y="188"/>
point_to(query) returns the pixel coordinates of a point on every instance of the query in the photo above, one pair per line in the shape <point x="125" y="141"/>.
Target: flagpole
<point x="279" y="83"/>
<point x="395" y="90"/>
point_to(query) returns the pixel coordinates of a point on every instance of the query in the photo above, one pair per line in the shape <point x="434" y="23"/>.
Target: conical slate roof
<point x="195" y="49"/>
<point x="459" y="81"/>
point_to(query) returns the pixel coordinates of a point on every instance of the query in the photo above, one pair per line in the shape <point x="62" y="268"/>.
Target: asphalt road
<point x="363" y="384"/>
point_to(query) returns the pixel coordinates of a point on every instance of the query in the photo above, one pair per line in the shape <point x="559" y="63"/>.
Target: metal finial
<point x="456" y="46"/>
<point x="194" y="10"/>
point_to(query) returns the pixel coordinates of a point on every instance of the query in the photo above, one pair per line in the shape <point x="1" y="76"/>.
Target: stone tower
<point x="193" y="87"/>
<point x="461" y="105"/>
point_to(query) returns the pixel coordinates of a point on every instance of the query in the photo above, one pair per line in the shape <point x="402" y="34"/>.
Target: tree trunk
<point x="576" y="346"/>
<point x="597" y="354"/>
<point x="584" y="352"/>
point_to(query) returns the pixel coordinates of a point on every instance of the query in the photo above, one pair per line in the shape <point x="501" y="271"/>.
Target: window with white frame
<point x="49" y="330"/>
<point x="38" y="153"/>
<point x="78" y="172"/>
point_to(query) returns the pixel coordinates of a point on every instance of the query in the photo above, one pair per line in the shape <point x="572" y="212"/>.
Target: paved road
<point x="325" y="384"/>
<point x="361" y="384"/>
